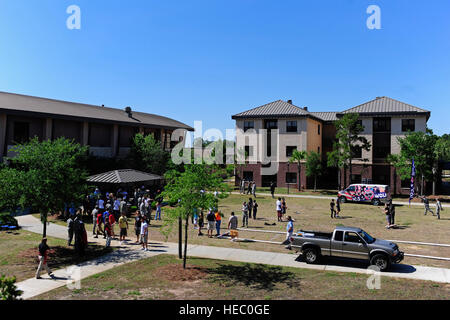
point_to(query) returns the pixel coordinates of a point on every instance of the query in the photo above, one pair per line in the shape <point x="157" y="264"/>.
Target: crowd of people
<point x="247" y="187"/>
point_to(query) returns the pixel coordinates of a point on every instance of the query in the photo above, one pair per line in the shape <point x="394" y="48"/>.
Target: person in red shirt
<point x="108" y="231"/>
<point x="99" y="225"/>
<point x="112" y="222"/>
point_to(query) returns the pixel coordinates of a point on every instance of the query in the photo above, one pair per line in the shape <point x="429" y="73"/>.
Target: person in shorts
<point x="232" y="225"/>
<point x="144" y="234"/>
<point x="332" y="210"/>
<point x="123" y="225"/>
<point x="279" y="212"/>
<point x="211" y="218"/>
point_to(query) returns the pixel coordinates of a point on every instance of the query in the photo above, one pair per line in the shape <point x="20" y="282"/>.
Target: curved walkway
<point x="33" y="287"/>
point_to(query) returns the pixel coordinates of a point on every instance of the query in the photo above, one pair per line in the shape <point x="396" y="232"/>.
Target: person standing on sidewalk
<point x="137" y="225"/>
<point x="123" y="225"/>
<point x="439" y="208"/>
<point x="108" y="233"/>
<point x="144" y="234"/>
<point x="70" y="225"/>
<point x="254" y="189"/>
<point x="43" y="257"/>
<point x="94" y="220"/>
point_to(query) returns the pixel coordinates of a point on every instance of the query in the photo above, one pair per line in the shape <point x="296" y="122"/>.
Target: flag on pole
<point x="413" y="174"/>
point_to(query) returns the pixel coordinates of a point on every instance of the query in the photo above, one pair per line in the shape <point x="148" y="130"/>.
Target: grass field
<point x="162" y="277"/>
<point x="19" y="251"/>
<point x="313" y="214"/>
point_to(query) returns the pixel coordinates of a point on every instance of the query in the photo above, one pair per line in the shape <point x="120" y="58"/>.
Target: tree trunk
<point x="315" y="182"/>
<point x="339" y="179"/>
<point x="421" y="186"/>
<point x="44" y="231"/>
<point x="180" y="237"/>
<point x="299" y="178"/>
<point x="185" y="241"/>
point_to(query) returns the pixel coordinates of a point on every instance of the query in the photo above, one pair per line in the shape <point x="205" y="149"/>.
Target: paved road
<point x="34" y="287"/>
<point x="403" y="203"/>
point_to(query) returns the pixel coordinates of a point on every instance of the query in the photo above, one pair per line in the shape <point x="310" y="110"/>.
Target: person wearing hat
<point x="43" y="257"/>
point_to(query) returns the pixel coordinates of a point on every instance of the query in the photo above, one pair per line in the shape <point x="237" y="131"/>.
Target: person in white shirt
<point x="289" y="232"/>
<point x="144" y="234"/>
<point x="279" y="214"/>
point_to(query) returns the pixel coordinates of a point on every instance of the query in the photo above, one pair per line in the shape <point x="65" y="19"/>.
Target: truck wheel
<point x="311" y="255"/>
<point x="381" y="261"/>
<point x="376" y="202"/>
<point x="342" y="199"/>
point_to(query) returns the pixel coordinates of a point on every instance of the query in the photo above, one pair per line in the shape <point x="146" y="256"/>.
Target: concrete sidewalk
<point x="403" y="203"/>
<point x="34" y="287"/>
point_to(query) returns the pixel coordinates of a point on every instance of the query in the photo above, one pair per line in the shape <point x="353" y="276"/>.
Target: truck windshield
<point x="366" y="237"/>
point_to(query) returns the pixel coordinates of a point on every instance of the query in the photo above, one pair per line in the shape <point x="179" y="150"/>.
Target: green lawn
<point x="313" y="214"/>
<point x="162" y="277"/>
<point x="19" y="251"/>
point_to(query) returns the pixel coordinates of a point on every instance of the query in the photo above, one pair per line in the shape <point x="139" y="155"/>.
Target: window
<point x="351" y="188"/>
<point x="352" y="237"/>
<point x="248" y="175"/>
<point x="408" y="125"/>
<point x="318" y="129"/>
<point x="290" y="150"/>
<point x="356" y="152"/>
<point x="381" y="124"/>
<point x="249" y="125"/>
<point x="21" y="132"/>
<point x="381" y="152"/>
<point x="271" y="124"/>
<point x="291" y="177"/>
<point x="291" y="126"/>
<point x="249" y="151"/>
<point x="338" y="235"/>
<point x="406" y="183"/>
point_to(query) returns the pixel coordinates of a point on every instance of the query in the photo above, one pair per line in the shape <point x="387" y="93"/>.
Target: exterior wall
<point x="3" y="123"/>
<point x="314" y="139"/>
<point x="68" y="129"/>
<point x="367" y="123"/>
<point x="396" y="130"/>
<point x="297" y="139"/>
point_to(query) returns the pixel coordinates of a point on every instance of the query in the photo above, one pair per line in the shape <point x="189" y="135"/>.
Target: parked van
<point x="373" y="193"/>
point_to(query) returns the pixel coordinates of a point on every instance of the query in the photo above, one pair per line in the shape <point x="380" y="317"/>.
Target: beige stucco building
<point x="384" y="121"/>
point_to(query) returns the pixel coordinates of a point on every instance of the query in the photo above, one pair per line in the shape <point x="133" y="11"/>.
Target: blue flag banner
<point x="413" y="174"/>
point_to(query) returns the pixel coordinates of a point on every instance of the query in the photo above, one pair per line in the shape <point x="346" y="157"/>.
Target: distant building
<point x="384" y="119"/>
<point x="107" y="131"/>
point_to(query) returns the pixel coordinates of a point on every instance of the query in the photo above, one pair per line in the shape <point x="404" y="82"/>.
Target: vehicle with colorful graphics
<point x="373" y="193"/>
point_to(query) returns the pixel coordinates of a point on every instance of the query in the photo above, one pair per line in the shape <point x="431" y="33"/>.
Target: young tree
<point x="147" y="154"/>
<point x="335" y="159"/>
<point x="313" y="166"/>
<point x="420" y="146"/>
<point x="348" y="138"/>
<point x="192" y="189"/>
<point x="44" y="176"/>
<point x="298" y="157"/>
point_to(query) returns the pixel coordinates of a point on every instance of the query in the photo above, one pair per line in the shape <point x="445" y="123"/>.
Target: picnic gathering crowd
<point x="110" y="209"/>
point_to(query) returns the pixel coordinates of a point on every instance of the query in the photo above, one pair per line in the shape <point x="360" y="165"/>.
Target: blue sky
<point x="207" y="60"/>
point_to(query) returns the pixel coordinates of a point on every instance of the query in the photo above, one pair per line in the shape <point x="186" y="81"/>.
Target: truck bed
<point x="315" y="234"/>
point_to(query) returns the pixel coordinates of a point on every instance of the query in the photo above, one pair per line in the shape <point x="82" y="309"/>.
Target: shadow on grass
<point x="261" y="277"/>
<point x="63" y="256"/>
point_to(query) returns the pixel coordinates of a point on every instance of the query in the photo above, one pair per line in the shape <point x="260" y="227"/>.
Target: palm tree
<point x="297" y="157"/>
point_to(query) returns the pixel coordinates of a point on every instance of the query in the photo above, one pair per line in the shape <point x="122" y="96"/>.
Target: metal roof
<point x="326" y="116"/>
<point x="16" y="102"/>
<point x="385" y="105"/>
<point x="277" y="108"/>
<point x="123" y="176"/>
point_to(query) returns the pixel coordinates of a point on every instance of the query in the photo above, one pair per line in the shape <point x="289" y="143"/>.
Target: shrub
<point x="8" y="289"/>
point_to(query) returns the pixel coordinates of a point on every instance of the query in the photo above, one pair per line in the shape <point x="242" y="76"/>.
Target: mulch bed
<point x="175" y="272"/>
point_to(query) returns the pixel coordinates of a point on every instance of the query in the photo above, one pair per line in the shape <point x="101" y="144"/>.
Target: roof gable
<point x="277" y="108"/>
<point x="385" y="105"/>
